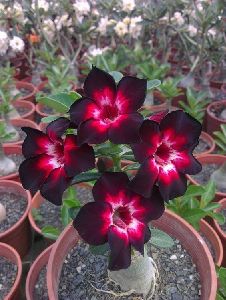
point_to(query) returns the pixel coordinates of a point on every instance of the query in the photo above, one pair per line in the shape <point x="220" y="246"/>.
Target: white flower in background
<point x="128" y="5"/>
<point x="18" y="12"/>
<point x="199" y="6"/>
<point x="63" y="21"/>
<point x="212" y="32"/>
<point x="4" y="42"/>
<point x="94" y="51"/>
<point x="177" y="17"/>
<point x="102" y="26"/>
<point x="134" y="27"/>
<point x="2" y="8"/>
<point x="41" y="4"/>
<point x="121" y="29"/>
<point x="49" y="28"/>
<point x="192" y="30"/>
<point x="82" y="7"/>
<point x="17" y="44"/>
<point x="126" y="20"/>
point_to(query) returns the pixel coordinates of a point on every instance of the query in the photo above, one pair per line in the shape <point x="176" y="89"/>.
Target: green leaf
<point x="65" y="218"/>
<point x="193" y="216"/>
<point x="60" y="102"/>
<point x="160" y="239"/>
<point x="51" y="232"/>
<point x="220" y="218"/>
<point x="99" y="250"/>
<point x="209" y="193"/>
<point x="73" y="211"/>
<point x="194" y="190"/>
<point x="116" y="75"/>
<point x="151" y="84"/>
<point x="219" y="297"/>
<point x="49" y="119"/>
<point x="134" y="166"/>
<point x="84" y="177"/>
<point x="72" y="203"/>
<point x="222" y="279"/>
<point x="36" y="214"/>
<point x="211" y="206"/>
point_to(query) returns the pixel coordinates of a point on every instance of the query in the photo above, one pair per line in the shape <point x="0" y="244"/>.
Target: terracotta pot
<point x="27" y="86"/>
<point x="210" y="159"/>
<point x="212" y="122"/>
<point x="217" y="84"/>
<point x="43" y="126"/>
<point x="21" y="123"/>
<point x="40" y="262"/>
<point x="9" y="253"/>
<point x="29" y="106"/>
<point x="210" y="142"/>
<point x="40" y="112"/>
<point x="19" y="235"/>
<point x="223" y="88"/>
<point x="220" y="232"/>
<point x="214" y="240"/>
<point x="12" y="149"/>
<point x="158" y="107"/>
<point x="39" y="86"/>
<point x="169" y="223"/>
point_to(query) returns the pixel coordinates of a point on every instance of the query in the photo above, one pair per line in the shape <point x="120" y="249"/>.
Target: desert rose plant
<point x="105" y="122"/>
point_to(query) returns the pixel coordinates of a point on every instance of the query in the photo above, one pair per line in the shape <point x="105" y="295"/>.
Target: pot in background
<point x="12" y="149"/>
<point x="30" y="114"/>
<point x="9" y="253"/>
<point x="18" y="235"/>
<point x="27" y="86"/>
<point x="213" y="122"/>
<point x="210" y="141"/>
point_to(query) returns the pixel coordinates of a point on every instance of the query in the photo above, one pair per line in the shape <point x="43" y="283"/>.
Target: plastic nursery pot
<point x="9" y="253"/>
<point x="21" y="123"/>
<point x="214" y="240"/>
<point x="40" y="262"/>
<point x="171" y="224"/>
<point x="158" y="107"/>
<point x="209" y="141"/>
<point x="19" y="235"/>
<point x="219" y="230"/>
<point x="212" y="121"/>
<point x="27" y="86"/>
<point x="210" y="159"/>
<point x="12" y="149"/>
<point x="28" y="106"/>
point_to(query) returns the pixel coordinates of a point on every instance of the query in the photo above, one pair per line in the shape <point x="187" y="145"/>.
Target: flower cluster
<point x="16" y="44"/>
<point x="122" y="207"/>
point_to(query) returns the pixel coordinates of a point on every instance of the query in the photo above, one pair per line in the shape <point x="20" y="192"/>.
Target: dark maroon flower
<point x="118" y="216"/>
<point x="109" y="111"/>
<point x="52" y="161"/>
<point x="165" y="154"/>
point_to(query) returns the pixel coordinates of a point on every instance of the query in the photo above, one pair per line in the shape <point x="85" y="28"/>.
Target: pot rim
<point x="208" y="110"/>
<point x="18" y="149"/>
<point x="18" y="262"/>
<point x="27" y="195"/>
<point x="28" y="104"/>
<point x="28" y="86"/>
<point x="222" y="202"/>
<point x="209" y="140"/>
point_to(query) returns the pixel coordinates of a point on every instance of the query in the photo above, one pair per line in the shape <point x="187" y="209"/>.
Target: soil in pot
<point x="22" y="110"/>
<point x="17" y="158"/>
<point x="202" y="146"/>
<point x="40" y="290"/>
<point x="8" y="273"/>
<point x="15" y="206"/>
<point x="223" y="226"/>
<point x="83" y="275"/>
<point x="204" y="176"/>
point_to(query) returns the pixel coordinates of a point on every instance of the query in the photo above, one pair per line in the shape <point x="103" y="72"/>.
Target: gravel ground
<point x="179" y="279"/>
<point x="15" y="206"/>
<point x="51" y="214"/>
<point x="223" y="226"/>
<point x="17" y="158"/>
<point x="202" y="146"/>
<point x="204" y="176"/>
<point x="40" y="290"/>
<point x="8" y="272"/>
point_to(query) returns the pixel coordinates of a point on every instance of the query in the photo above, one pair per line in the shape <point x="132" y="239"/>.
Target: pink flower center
<point x="162" y="154"/>
<point x="122" y="217"/>
<point x="109" y="113"/>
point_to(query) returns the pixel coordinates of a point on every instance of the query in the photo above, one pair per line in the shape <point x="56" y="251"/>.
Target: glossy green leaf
<point x="85" y="177"/>
<point x="160" y="239"/>
<point x="151" y="84"/>
<point x="116" y="75"/>
<point x="51" y="232"/>
<point x="65" y="217"/>
<point x="99" y="250"/>
<point x="49" y="119"/>
<point x="209" y="193"/>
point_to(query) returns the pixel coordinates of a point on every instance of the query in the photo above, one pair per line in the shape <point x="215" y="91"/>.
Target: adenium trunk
<point x="139" y="278"/>
<point x="7" y="165"/>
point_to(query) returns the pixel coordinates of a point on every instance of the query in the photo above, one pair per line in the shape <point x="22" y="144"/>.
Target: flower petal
<point x="186" y="163"/>
<point x="77" y="159"/>
<point x="100" y="86"/>
<point x="147" y="209"/>
<point x="142" y="151"/>
<point x="136" y="232"/>
<point x="93" y="221"/>
<point x="57" y="128"/>
<point x="120" y="256"/>
<point x="171" y="183"/>
<point x="55" y="185"/>
<point x="35" y="143"/>
<point x="109" y="187"/>
<point x="92" y="132"/>
<point x="33" y="171"/>
<point x="125" y="129"/>
<point x="158" y="116"/>
<point x="180" y="129"/>
<point x="131" y="92"/>
<point x="83" y="109"/>
<point x="150" y="133"/>
<point x="145" y="178"/>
